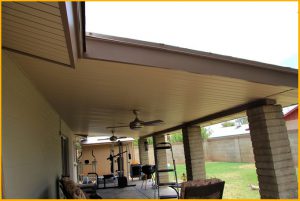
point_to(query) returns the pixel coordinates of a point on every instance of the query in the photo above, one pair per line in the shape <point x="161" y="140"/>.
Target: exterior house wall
<point x="31" y="146"/>
<point x="292" y="115"/>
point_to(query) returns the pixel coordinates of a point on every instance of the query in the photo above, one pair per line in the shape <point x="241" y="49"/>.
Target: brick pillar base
<point x="161" y="159"/>
<point x="144" y="157"/>
<point x="194" y="154"/>
<point x="272" y="153"/>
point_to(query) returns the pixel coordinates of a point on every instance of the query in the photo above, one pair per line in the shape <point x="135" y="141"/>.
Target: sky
<point x="259" y="31"/>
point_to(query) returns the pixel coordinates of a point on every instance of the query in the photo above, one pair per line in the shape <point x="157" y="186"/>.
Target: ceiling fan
<point x="137" y="123"/>
<point x="113" y="138"/>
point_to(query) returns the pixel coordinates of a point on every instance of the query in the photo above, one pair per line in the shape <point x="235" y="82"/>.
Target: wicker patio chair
<point x="202" y="189"/>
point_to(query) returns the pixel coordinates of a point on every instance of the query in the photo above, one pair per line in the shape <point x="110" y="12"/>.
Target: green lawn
<point x="237" y="177"/>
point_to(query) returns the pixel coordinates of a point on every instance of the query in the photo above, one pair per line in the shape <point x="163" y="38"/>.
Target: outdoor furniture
<point x="148" y="171"/>
<point x="71" y="190"/>
<point x="202" y="189"/>
<point x="107" y="176"/>
<point x="135" y="171"/>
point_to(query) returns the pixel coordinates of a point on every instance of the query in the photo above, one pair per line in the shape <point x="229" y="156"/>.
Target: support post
<point x="143" y="152"/>
<point x="194" y="153"/>
<point x="161" y="159"/>
<point x="272" y="153"/>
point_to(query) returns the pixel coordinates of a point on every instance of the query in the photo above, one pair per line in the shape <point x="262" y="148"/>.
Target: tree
<point x="241" y="121"/>
<point x="228" y="124"/>
<point x="136" y="141"/>
<point x="205" y="133"/>
<point x="150" y="140"/>
<point x="177" y="136"/>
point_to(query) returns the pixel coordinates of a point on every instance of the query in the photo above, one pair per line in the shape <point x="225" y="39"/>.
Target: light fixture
<point x="146" y="145"/>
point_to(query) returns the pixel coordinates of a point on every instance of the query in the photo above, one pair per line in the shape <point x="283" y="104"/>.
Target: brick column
<point x="272" y="153"/>
<point x="161" y="159"/>
<point x="144" y="157"/>
<point x="194" y="154"/>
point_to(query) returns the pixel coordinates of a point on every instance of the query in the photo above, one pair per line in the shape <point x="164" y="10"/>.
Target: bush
<point x="228" y="124"/>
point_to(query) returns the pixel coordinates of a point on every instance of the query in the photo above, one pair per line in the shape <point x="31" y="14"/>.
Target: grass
<point x="237" y="177"/>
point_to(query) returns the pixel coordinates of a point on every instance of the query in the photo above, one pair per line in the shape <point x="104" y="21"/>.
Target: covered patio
<point x="59" y="81"/>
<point x="134" y="192"/>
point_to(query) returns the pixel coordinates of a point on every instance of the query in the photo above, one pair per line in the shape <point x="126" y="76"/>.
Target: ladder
<point x="174" y="185"/>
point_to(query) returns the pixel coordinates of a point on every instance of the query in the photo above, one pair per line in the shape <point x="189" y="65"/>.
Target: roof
<point x="113" y="77"/>
<point x="36" y="29"/>
<point x="220" y="131"/>
<point x="292" y="113"/>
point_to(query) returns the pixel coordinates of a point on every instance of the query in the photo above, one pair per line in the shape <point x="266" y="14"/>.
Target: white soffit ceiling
<point x="35" y="28"/>
<point x="98" y="94"/>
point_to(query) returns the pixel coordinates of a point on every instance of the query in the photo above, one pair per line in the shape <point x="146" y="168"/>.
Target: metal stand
<point x="122" y="180"/>
<point x="173" y="185"/>
<point x="80" y="166"/>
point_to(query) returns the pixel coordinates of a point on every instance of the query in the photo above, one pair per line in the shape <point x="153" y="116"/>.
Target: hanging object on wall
<point x="93" y="155"/>
<point x="146" y="145"/>
<point x="129" y="154"/>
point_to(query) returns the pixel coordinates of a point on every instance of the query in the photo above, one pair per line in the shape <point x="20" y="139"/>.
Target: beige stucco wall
<point x="31" y="151"/>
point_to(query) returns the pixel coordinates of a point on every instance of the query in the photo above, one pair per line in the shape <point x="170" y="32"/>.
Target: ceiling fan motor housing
<point x="113" y="138"/>
<point x="136" y="124"/>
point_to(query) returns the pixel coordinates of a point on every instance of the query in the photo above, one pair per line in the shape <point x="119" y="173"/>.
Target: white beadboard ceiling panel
<point x="35" y="28"/>
<point x="98" y="94"/>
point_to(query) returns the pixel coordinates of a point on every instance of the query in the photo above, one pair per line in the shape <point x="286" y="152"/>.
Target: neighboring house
<point x="220" y="131"/>
<point x="291" y="119"/>
<point x="234" y="144"/>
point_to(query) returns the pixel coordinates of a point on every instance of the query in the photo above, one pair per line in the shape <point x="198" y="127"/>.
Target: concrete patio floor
<point x="134" y="192"/>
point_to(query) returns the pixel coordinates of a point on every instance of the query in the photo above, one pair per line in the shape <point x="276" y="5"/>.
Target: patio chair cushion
<point x="72" y="189"/>
<point x="203" y="188"/>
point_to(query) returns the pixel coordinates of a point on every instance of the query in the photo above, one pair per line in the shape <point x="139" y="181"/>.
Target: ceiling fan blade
<point x="122" y="137"/>
<point x="112" y="127"/>
<point x="82" y="135"/>
<point x="103" y="139"/>
<point x="152" y="123"/>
